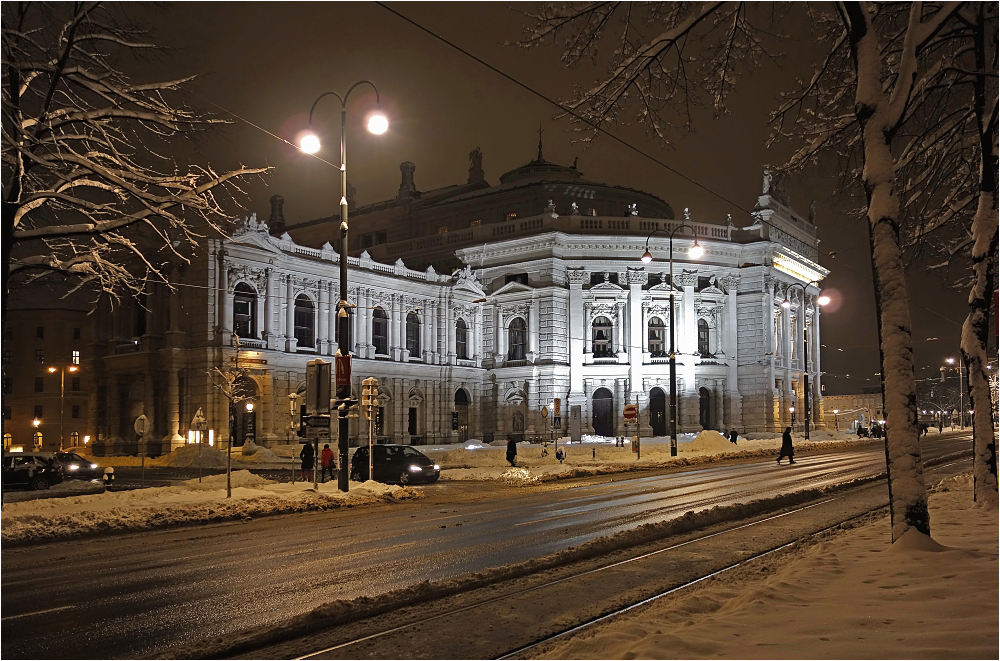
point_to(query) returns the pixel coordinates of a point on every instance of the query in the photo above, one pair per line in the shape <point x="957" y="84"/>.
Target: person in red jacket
<point x="326" y="462"/>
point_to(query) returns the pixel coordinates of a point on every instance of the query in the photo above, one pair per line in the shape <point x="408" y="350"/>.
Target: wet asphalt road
<point x="136" y="595"/>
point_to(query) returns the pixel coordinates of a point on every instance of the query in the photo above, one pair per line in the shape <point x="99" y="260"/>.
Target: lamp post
<point x="377" y="124"/>
<point x="62" y="398"/>
<point x="836" y="419"/>
<point x="694" y="252"/>
<point x="821" y="300"/>
<point x="961" y="392"/>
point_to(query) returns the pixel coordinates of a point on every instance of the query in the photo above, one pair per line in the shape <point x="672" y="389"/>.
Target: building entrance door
<point x="705" y="408"/>
<point x="462" y="408"/>
<point x="658" y="412"/>
<point x="604" y="410"/>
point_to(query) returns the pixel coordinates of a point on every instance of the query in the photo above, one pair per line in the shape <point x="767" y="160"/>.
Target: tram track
<point x="516" y="615"/>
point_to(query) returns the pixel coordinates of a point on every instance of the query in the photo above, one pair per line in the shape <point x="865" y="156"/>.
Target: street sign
<point x="557" y="408"/>
<point x="631" y="410"/>
<point x="343" y="376"/>
<point x="317" y="387"/>
<point x="198" y="422"/>
<point x="545" y="411"/>
<point x="318" y="421"/>
<point x="141" y="424"/>
<point x="454" y="420"/>
<point x="318" y="432"/>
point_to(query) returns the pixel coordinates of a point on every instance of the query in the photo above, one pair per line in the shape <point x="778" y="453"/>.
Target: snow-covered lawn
<point x="852" y="597"/>
<point x="190" y="502"/>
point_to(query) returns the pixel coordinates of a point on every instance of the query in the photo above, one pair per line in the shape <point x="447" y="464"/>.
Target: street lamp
<point x="836" y="419"/>
<point x="961" y="392"/>
<point x="62" y="397"/>
<point x="377" y="124"/>
<point x="822" y="299"/>
<point x="694" y="252"/>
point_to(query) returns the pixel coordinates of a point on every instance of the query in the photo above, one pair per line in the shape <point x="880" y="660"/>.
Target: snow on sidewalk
<point x="854" y="596"/>
<point x="188" y="503"/>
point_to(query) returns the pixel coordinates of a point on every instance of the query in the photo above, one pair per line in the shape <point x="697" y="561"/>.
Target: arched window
<point x="37" y="438"/>
<point x="602" y="337"/>
<point x="305" y="318"/>
<point x="74" y="438"/>
<point x="380" y="331"/>
<point x="461" y="340"/>
<point x="8" y="439"/>
<point x="517" y="339"/>
<point x="657" y="332"/>
<point x="413" y="335"/>
<point x="703" y="348"/>
<point x="245" y="310"/>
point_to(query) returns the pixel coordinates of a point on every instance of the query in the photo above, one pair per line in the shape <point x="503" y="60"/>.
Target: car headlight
<point x="93" y="466"/>
<point x="74" y="467"/>
<point x="436" y="467"/>
<point x="415" y="469"/>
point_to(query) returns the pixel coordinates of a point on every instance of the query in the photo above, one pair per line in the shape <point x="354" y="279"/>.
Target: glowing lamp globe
<point x="696" y="251"/>
<point x="823" y="300"/>
<point x="378" y="124"/>
<point x="646" y="257"/>
<point x="309" y="143"/>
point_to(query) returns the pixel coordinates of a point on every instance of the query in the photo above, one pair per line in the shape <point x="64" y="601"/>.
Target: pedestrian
<point x="326" y="462"/>
<point x="307" y="455"/>
<point x="940" y="425"/>
<point x="733" y="436"/>
<point x="786" y="446"/>
<point x="511" y="451"/>
<point x="860" y="433"/>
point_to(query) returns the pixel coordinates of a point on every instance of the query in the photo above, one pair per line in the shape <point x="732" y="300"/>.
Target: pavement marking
<point x="47" y="610"/>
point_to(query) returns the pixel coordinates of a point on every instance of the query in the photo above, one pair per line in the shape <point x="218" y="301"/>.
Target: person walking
<point x="733" y="436"/>
<point x="511" y="451"/>
<point x="786" y="446"/>
<point x="308" y="456"/>
<point x="326" y="462"/>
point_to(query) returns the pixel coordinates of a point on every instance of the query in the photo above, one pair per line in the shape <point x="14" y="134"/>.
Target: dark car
<point x="394" y="463"/>
<point x="30" y="470"/>
<point x="80" y="468"/>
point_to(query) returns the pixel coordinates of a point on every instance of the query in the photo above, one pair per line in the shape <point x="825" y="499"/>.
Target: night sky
<point x="267" y="62"/>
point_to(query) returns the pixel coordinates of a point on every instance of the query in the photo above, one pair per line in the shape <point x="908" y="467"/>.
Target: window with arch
<point x="517" y="339"/>
<point x="74" y="438"/>
<point x="703" y="335"/>
<point x="413" y="335"/>
<point x="305" y="320"/>
<point x="657" y="333"/>
<point x="461" y="340"/>
<point x="37" y="439"/>
<point x="8" y="440"/>
<point x="380" y="331"/>
<point x="245" y="310"/>
<point x="602" y="337"/>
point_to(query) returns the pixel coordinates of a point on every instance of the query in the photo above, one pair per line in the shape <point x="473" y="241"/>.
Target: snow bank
<point x="518" y="477"/>
<point x="187" y="503"/>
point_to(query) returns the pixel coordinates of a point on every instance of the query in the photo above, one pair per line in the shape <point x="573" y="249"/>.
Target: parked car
<point x="394" y="463"/>
<point x="76" y="467"/>
<point x="30" y="470"/>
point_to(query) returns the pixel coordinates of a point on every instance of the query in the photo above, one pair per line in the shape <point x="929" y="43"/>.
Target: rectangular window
<point x="40" y="332"/>
<point x="381" y="237"/>
<point x="516" y="277"/>
<point x="510" y="215"/>
<point x="8" y="386"/>
<point x="76" y="411"/>
<point x="442" y="229"/>
<point x="76" y="357"/>
<point x="74" y="384"/>
<point x="39" y="384"/>
<point x="38" y="411"/>
<point x="7" y="355"/>
<point x="76" y="333"/>
<point x="367" y="240"/>
<point x="39" y="356"/>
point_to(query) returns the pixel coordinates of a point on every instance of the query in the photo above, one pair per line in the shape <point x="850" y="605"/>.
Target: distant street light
<point x="62" y="369"/>
<point x="961" y="391"/>
<point x="310" y="143"/>
<point x="694" y="252"/>
<point x="822" y="299"/>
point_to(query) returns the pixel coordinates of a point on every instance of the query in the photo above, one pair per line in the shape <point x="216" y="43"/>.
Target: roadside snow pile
<point x="188" y="503"/>
<point x="518" y="477"/>
<point x="960" y="482"/>
<point x="187" y="456"/>
<point x="263" y="456"/>
<point x="708" y="441"/>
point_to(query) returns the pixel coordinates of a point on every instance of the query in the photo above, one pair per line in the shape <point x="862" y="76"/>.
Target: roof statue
<point x="476" y="165"/>
<point x="633" y="209"/>
<point x="766" y="188"/>
<point x="687" y="214"/>
<point x="540" y="143"/>
<point x="550" y="208"/>
<point x="574" y="209"/>
<point x="812" y="212"/>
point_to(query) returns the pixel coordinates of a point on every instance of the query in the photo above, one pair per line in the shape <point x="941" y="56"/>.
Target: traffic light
<point x="369" y="397"/>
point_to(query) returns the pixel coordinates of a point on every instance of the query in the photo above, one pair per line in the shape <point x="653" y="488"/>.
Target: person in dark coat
<point x="733" y="436"/>
<point x="511" y="451"/>
<point x="308" y="456"/>
<point x="786" y="446"/>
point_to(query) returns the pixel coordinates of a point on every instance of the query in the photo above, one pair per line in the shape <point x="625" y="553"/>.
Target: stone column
<point x="533" y="330"/>
<point x="636" y="343"/>
<point x="450" y="321"/>
<point x="291" y="344"/>
<point x="720" y="404"/>
<point x="734" y="418"/>
<point x="577" y="333"/>
<point x="478" y="350"/>
<point x="226" y="300"/>
<point x="323" y="312"/>
<point x="816" y="390"/>
<point x="688" y="346"/>
<point x="395" y="344"/>
<point x="173" y="439"/>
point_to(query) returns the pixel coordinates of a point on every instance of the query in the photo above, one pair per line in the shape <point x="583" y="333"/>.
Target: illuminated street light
<point x="249" y="407"/>
<point x="694" y="252"/>
<point x="62" y="369"/>
<point x="820" y="300"/>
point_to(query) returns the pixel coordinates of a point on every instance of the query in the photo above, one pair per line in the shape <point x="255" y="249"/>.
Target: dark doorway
<point x="462" y="409"/>
<point x="604" y="410"/>
<point x="658" y="412"/>
<point x="411" y="423"/>
<point x="705" y="408"/>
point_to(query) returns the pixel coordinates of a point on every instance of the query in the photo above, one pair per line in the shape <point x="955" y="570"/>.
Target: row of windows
<point x="245" y="324"/>
<point x="8" y="439"/>
<point x="40" y="333"/>
<point x="40" y="356"/>
<point x="601" y="336"/>
<point x="74" y="411"/>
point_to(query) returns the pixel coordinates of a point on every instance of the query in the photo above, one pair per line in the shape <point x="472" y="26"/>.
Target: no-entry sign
<point x="631" y="410"/>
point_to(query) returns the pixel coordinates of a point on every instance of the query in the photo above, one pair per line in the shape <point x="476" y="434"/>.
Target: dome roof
<point x="541" y="169"/>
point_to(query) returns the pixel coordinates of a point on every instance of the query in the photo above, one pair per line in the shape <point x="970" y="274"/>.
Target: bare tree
<point x="876" y="66"/>
<point x="91" y="188"/>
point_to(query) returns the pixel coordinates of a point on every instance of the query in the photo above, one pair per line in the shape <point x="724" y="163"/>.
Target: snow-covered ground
<point x="187" y="503"/>
<point x="854" y="596"/>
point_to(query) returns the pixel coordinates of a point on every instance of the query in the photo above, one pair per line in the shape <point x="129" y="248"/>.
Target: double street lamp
<point x="821" y="300"/>
<point x="62" y="369"/>
<point x="310" y="143"/>
<point x="694" y="252"/>
<point x="961" y="392"/>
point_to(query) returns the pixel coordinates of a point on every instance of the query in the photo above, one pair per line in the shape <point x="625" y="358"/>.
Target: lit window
<point x="656" y="333"/>
<point x="74" y="438"/>
<point x="602" y="337"/>
<point x="76" y="357"/>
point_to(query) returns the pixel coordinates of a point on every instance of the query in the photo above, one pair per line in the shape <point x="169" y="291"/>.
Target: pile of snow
<point x="518" y="477"/>
<point x="708" y="441"/>
<point x="191" y="502"/>
<point x="187" y="456"/>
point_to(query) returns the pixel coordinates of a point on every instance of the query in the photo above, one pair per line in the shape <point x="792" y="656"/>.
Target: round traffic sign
<point x="631" y="410"/>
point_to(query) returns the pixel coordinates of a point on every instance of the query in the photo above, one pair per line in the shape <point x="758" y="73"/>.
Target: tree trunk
<point x="907" y="493"/>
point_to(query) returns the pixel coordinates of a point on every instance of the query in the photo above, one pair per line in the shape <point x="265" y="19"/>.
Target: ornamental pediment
<point x="606" y="286"/>
<point x="513" y="288"/>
